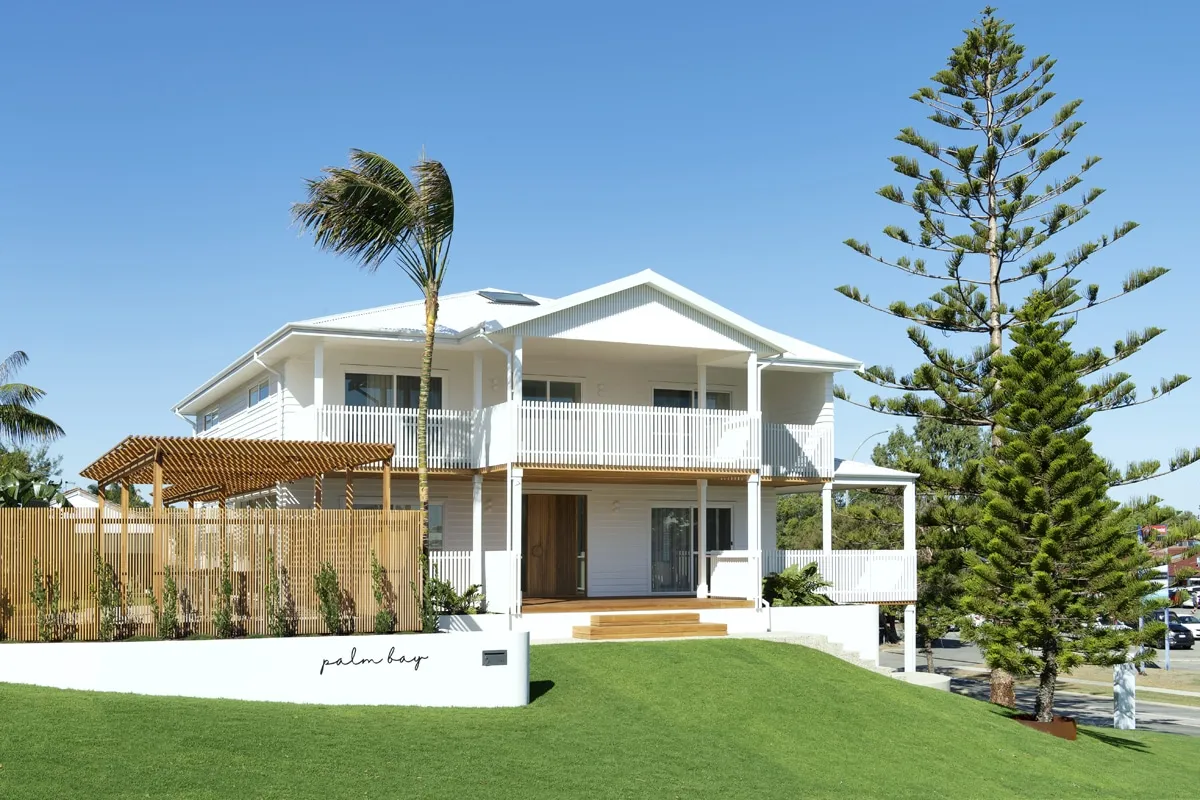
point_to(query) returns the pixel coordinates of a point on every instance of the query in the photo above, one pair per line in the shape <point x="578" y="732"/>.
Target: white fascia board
<point x="813" y="364"/>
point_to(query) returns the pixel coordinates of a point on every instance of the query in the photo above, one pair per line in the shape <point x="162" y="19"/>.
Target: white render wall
<point x="787" y="396"/>
<point x="618" y="556"/>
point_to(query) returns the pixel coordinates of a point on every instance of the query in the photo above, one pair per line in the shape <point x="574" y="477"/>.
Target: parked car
<point x="1181" y="638"/>
<point x="1184" y="617"/>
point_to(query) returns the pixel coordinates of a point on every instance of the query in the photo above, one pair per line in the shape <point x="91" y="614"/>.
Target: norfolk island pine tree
<point x="978" y="210"/>
<point x="1050" y="557"/>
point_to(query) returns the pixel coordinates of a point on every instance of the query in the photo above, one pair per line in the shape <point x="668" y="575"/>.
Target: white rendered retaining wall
<point x="403" y="670"/>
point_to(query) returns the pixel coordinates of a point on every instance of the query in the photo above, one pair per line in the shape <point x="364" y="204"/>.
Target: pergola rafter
<point x="189" y="468"/>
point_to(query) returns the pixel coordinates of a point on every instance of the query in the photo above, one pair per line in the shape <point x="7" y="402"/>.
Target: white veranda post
<point x="753" y="483"/>
<point x="477" y="490"/>
<point x="515" y="477"/>
<point x="827" y="518"/>
<point x="910" y="546"/>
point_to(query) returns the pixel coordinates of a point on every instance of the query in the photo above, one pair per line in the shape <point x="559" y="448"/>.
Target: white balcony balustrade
<point x="448" y="433"/>
<point x="858" y="576"/>
<point x="797" y="451"/>
<point x="589" y="434"/>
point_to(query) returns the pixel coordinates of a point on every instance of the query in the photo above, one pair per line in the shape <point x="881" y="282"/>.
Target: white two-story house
<point x="629" y="440"/>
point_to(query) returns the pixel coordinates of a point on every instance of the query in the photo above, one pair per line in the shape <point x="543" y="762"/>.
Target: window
<point x="211" y="419"/>
<point x="370" y="390"/>
<point x="390" y="391"/>
<point x="718" y="529"/>
<point x="260" y="392"/>
<point x="408" y="391"/>
<point x="436" y="525"/>
<point x="686" y="398"/>
<point x="551" y="391"/>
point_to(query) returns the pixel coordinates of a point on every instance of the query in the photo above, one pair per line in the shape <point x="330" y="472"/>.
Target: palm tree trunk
<point x="431" y="308"/>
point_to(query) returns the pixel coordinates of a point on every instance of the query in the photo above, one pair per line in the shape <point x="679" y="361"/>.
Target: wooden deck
<point x="592" y="605"/>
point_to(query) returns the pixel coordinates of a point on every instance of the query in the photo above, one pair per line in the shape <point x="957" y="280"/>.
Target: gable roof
<point x="466" y="314"/>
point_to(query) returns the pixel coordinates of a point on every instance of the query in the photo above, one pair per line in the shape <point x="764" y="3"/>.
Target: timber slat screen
<point x="190" y="542"/>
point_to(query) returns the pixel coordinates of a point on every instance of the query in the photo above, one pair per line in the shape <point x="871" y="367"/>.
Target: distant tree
<point x="112" y="494"/>
<point x="18" y="422"/>
<point x="1051" y="559"/>
<point x="980" y="210"/>
<point x="35" y="460"/>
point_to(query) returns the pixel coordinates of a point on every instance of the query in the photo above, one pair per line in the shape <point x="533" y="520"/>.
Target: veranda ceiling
<point x="211" y="469"/>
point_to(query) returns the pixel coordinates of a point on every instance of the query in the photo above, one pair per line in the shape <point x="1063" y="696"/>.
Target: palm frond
<point x="11" y="365"/>
<point x="20" y="425"/>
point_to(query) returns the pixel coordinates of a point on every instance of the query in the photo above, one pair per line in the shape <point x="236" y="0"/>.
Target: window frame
<point x="210" y="419"/>
<point x="711" y="389"/>
<point x="263" y="391"/>
<point x="549" y="379"/>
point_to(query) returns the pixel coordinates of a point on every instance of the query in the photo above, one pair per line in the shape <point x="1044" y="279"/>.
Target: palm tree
<point x="18" y="423"/>
<point x="373" y="213"/>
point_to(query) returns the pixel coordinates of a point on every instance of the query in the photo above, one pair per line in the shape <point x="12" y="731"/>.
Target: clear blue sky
<point x="151" y="152"/>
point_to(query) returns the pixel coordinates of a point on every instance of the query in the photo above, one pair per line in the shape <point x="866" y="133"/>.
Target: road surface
<point x="1086" y="709"/>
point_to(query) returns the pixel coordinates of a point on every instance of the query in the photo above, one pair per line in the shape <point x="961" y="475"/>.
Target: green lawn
<point x="713" y="719"/>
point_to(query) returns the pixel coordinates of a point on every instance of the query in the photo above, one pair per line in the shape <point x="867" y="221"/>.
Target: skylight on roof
<point x="509" y="298"/>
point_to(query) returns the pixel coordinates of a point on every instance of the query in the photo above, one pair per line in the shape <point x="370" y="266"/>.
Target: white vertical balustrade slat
<point x="453" y="566"/>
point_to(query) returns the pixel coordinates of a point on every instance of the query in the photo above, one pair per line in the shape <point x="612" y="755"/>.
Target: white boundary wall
<point x="854" y="627"/>
<point x="405" y="670"/>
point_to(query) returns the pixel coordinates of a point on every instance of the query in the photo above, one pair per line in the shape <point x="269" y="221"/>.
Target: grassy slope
<point x="733" y="718"/>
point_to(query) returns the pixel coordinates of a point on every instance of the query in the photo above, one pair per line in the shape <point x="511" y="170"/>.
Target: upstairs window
<point x="551" y="391"/>
<point x="260" y="392"/>
<point x="210" y="420"/>
<point x="686" y="398"/>
<point x="390" y="391"/>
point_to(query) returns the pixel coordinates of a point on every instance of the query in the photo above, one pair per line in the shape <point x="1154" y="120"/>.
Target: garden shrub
<point x="47" y="600"/>
<point x="107" y="592"/>
<point x="166" y="616"/>
<point x="223" y="622"/>
<point x="796" y="586"/>
<point x="385" y="614"/>
<point x="330" y="598"/>
<point x="281" y="619"/>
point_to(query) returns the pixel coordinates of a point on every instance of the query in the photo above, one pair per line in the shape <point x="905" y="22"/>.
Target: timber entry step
<point x="647" y="626"/>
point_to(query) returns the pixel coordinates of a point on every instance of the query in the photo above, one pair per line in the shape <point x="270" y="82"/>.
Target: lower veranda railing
<point x="139" y="553"/>
<point x="453" y="566"/>
<point x="858" y="576"/>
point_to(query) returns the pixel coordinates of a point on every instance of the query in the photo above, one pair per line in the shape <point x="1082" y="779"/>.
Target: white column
<point x="478" y="380"/>
<point x="752" y="377"/>
<point x="910" y="638"/>
<point x="827" y="518"/>
<point x="702" y="537"/>
<point x="515" y="479"/>
<point x="477" y="529"/>
<point x="910" y="517"/>
<point x="754" y="533"/>
<point x="701" y="386"/>
<point x="319" y="374"/>
<point x="514" y="398"/>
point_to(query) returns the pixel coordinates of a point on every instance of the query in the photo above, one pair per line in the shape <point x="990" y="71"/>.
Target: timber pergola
<point x="183" y="468"/>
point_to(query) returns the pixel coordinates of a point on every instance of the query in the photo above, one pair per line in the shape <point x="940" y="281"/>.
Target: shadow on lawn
<point x="539" y="688"/>
<point x="1114" y="740"/>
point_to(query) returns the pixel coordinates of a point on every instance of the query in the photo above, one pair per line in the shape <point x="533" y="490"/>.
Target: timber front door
<point x="555" y="545"/>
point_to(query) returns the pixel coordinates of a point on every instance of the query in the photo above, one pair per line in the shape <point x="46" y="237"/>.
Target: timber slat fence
<point x="190" y="542"/>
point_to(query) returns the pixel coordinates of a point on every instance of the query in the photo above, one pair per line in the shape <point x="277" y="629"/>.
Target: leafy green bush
<point x="107" y="592"/>
<point x="440" y="598"/>
<point x="223" y="623"/>
<point x="166" y="616"/>
<point x="796" y="586"/>
<point x="330" y="598"/>
<point x="385" y="614"/>
<point x="281" y="620"/>
<point x="47" y="601"/>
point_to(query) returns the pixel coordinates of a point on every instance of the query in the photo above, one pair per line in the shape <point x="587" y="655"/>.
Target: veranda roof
<point x="211" y="469"/>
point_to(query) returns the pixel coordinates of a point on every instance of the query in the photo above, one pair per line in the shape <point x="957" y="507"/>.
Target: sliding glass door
<point x="671" y="550"/>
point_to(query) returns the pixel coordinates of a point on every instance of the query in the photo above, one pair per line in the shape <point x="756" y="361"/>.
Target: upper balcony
<point x="568" y="435"/>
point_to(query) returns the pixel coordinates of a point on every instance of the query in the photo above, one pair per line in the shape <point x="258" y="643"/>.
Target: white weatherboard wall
<point x="402" y="670"/>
